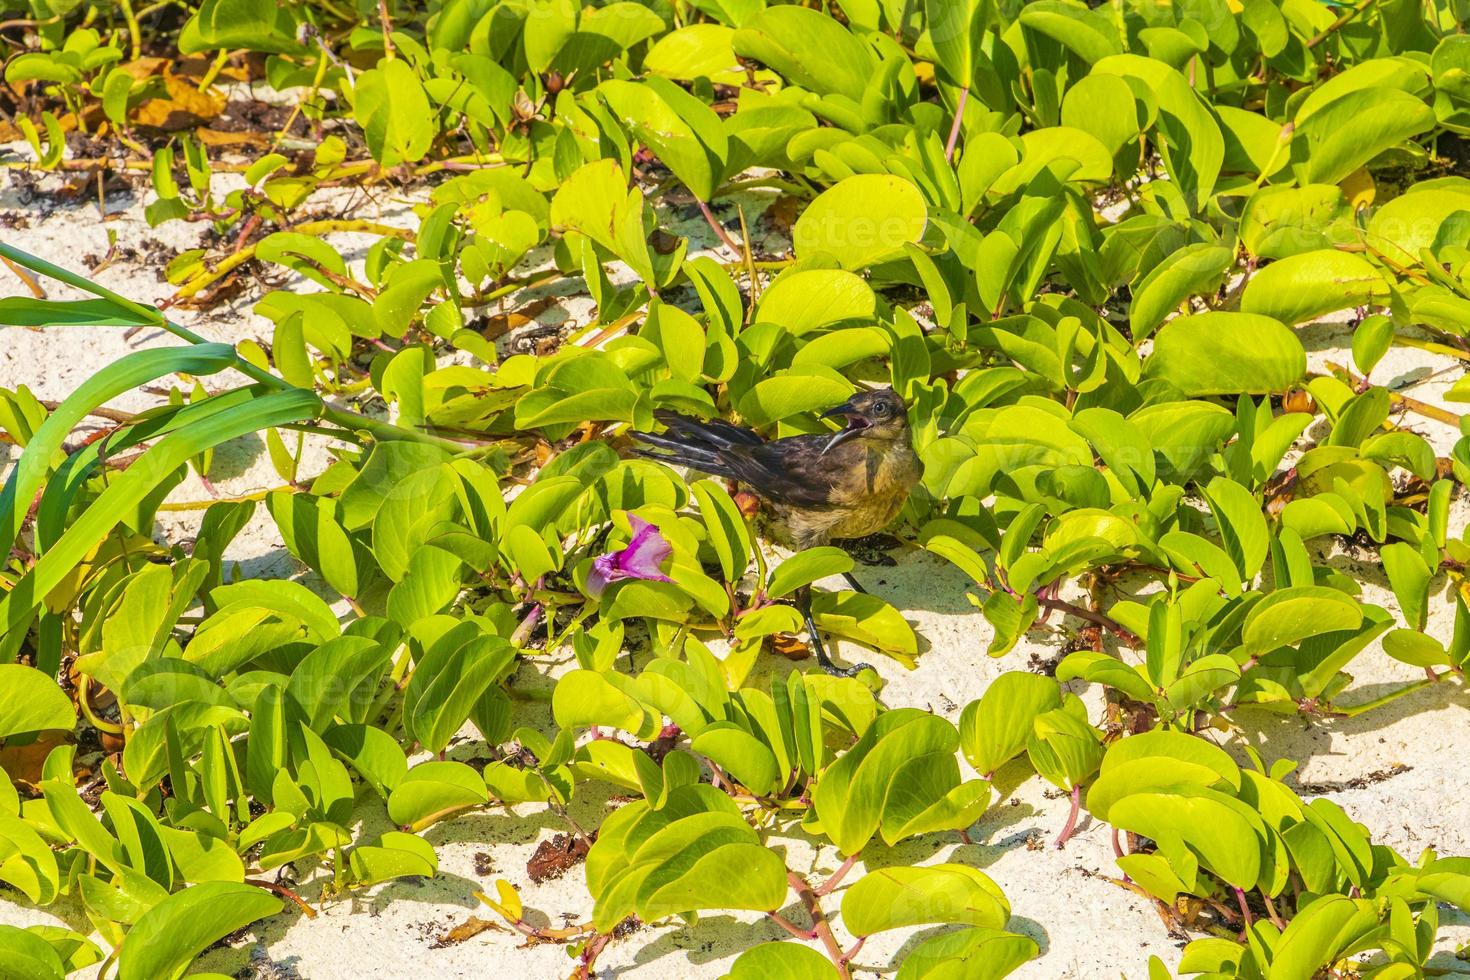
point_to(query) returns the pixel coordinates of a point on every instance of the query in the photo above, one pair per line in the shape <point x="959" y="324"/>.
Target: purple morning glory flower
<point x="640" y="559"/>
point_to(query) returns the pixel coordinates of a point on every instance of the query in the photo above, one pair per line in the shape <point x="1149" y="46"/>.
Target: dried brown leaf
<point x="789" y="646"/>
<point x="555" y="856"/>
<point x="468" y="929"/>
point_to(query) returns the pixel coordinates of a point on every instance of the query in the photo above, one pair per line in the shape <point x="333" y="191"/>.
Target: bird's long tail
<point x="695" y="443"/>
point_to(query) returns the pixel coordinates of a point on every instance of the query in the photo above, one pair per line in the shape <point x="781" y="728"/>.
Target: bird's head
<point x="879" y="414"/>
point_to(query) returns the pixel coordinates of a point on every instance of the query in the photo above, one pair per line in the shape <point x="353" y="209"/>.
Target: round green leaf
<point x="968" y="954"/>
<point x="32" y="702"/>
<point x="782" y="961"/>
<point x="809" y="299"/>
<point x="1287" y="616"/>
<point x="1220" y="353"/>
<point x="995" y="728"/>
<point x="168" y="936"/>
<point x="1339" y="138"/>
<point x="432" y="790"/>
<point x="861" y="220"/>
<point x="897" y="897"/>
<point x="1191" y="271"/>
<point x="1305" y="286"/>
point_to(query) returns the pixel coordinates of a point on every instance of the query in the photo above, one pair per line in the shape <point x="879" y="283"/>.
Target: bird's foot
<point x="836" y="671"/>
<point x="823" y="660"/>
<point x="873" y="550"/>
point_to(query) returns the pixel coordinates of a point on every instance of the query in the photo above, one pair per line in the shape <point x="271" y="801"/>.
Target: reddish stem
<point x="285" y="893"/>
<point x="1071" y="823"/>
<point x="590" y="952"/>
<point x="954" y="129"/>
<point x="1271" y="908"/>
<point x="826" y="888"/>
<point x="805" y="935"/>
<point x="719" y="229"/>
<point x="1125" y="636"/>
<point x="1245" y="913"/>
<point x="820" y="927"/>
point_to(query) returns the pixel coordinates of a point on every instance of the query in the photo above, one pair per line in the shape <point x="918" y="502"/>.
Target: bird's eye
<point x="882" y="410"/>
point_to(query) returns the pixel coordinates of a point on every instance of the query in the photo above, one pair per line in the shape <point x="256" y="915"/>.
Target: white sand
<point x="1086" y="927"/>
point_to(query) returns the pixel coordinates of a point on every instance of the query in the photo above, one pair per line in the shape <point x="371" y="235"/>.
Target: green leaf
<point x="1242" y="525"/>
<point x="396" y="855"/>
<point x="26" y="956"/>
<point x="1307" y="285"/>
<point x="129" y="488"/>
<point x="33" y="702"/>
<point x="868" y="620"/>
<point x="1288" y="616"/>
<point x="806" y="567"/>
<point x="1218" y="353"/>
<point x="390" y="105"/>
<point x="434" y="790"/>
<point x="900" y="897"/>
<point x="861" y="220"/>
<point x="253" y="24"/>
<point x="1094" y="164"/>
<point x="1159" y="759"/>
<point x="27" y="861"/>
<point x="728" y="534"/>
<point x="1192" y="147"/>
<point x="1011" y="617"/>
<point x="1416" y="649"/>
<point x="584" y="698"/>
<point x="955" y="29"/>
<point x="996" y="727"/>
<point x="168" y="937"/>
<point x="807" y="48"/>
<point x="898" y="776"/>
<point x="1222" y="833"/>
<point x="1107" y="107"/>
<point x="332" y="676"/>
<point x="1064" y="748"/>
<point x="1090" y="37"/>
<point x="1282" y="221"/>
<point x="742" y="755"/>
<point x="781" y="961"/>
<point x="1338" y="139"/>
<point x="968" y="954"/>
<point x="784" y="395"/>
<point x="1410" y="576"/>
<point x="681" y="130"/>
<point x="694" y="853"/>
<point x="1321" y="932"/>
<point x="1192" y="271"/>
<point x="805" y="300"/>
<point x="24" y="311"/>
<point x="372" y="752"/>
<point x="126" y="373"/>
<point x="694" y="51"/>
<point x="1371" y="340"/>
<point x="450" y="679"/>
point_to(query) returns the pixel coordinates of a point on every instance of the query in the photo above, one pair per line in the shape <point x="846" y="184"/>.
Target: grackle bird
<point x="846" y="484"/>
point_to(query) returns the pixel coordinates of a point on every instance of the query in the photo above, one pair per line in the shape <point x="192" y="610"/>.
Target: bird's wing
<point x="716" y="433"/>
<point x="789" y="471"/>
<point x="695" y="443"/>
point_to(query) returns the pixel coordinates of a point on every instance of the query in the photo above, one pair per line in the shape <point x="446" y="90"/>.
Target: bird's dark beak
<point x="856" y="422"/>
<point x="846" y="408"/>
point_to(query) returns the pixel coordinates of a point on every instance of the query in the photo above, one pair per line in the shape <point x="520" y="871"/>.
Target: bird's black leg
<point x="804" y="605"/>
<point x="853" y="583"/>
